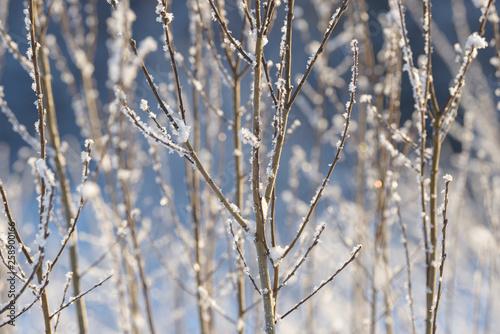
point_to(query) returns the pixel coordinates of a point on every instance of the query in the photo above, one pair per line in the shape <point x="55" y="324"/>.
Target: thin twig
<point x="69" y="276"/>
<point x="353" y="256"/>
<point x="27" y="307"/>
<point x="236" y="44"/>
<point x="12" y="224"/>
<point x="73" y="299"/>
<point x="304" y="257"/>
<point x="246" y="268"/>
<point x="448" y="179"/>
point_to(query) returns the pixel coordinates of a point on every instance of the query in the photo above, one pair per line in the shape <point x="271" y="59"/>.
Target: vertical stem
<point x="41" y="129"/>
<point x="280" y="139"/>
<point x="432" y="265"/>
<point x="266" y="284"/>
<point x="238" y="158"/>
<point x="260" y="242"/>
<point x="55" y="142"/>
<point x="238" y="165"/>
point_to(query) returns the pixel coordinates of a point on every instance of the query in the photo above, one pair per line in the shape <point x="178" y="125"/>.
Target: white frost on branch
<point x="45" y="173"/>
<point x="276" y="254"/>
<point x="248" y="137"/>
<point x="161" y="137"/>
<point x="332" y="19"/>
<point x="47" y="176"/>
<point x="163" y="14"/>
<point x="354" y="49"/>
<point x="319" y="229"/>
<point x="475" y="41"/>
<point x="265" y="207"/>
<point x="144" y="105"/>
<point x="182" y="132"/>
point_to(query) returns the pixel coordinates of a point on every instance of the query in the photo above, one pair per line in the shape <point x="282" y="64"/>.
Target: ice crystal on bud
<point x="476" y="41"/>
<point x="448" y="178"/>
<point x="319" y="229"/>
<point x="144" y="105"/>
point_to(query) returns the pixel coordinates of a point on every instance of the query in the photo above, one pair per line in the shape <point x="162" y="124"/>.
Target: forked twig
<point x="340" y="147"/>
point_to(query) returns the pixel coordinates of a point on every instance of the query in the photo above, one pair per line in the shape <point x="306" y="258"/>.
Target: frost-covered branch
<point x="162" y="138"/>
<point x="319" y="229"/>
<point x="69" y="276"/>
<point x="74" y="299"/>
<point x="26" y="307"/>
<point x="323" y="283"/>
<point x="448" y="178"/>
<point x="230" y="39"/>
<point x="166" y="18"/>
<point x="13" y="225"/>
<point x="242" y="258"/>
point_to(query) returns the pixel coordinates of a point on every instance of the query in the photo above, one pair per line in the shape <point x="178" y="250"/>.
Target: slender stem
<point x="11" y="221"/>
<point x="280" y="139"/>
<point x="260" y="242"/>
<point x="443" y="255"/>
<point x="238" y="169"/>
<point x="55" y="142"/>
<point x="41" y="129"/>
<point x="432" y="265"/>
